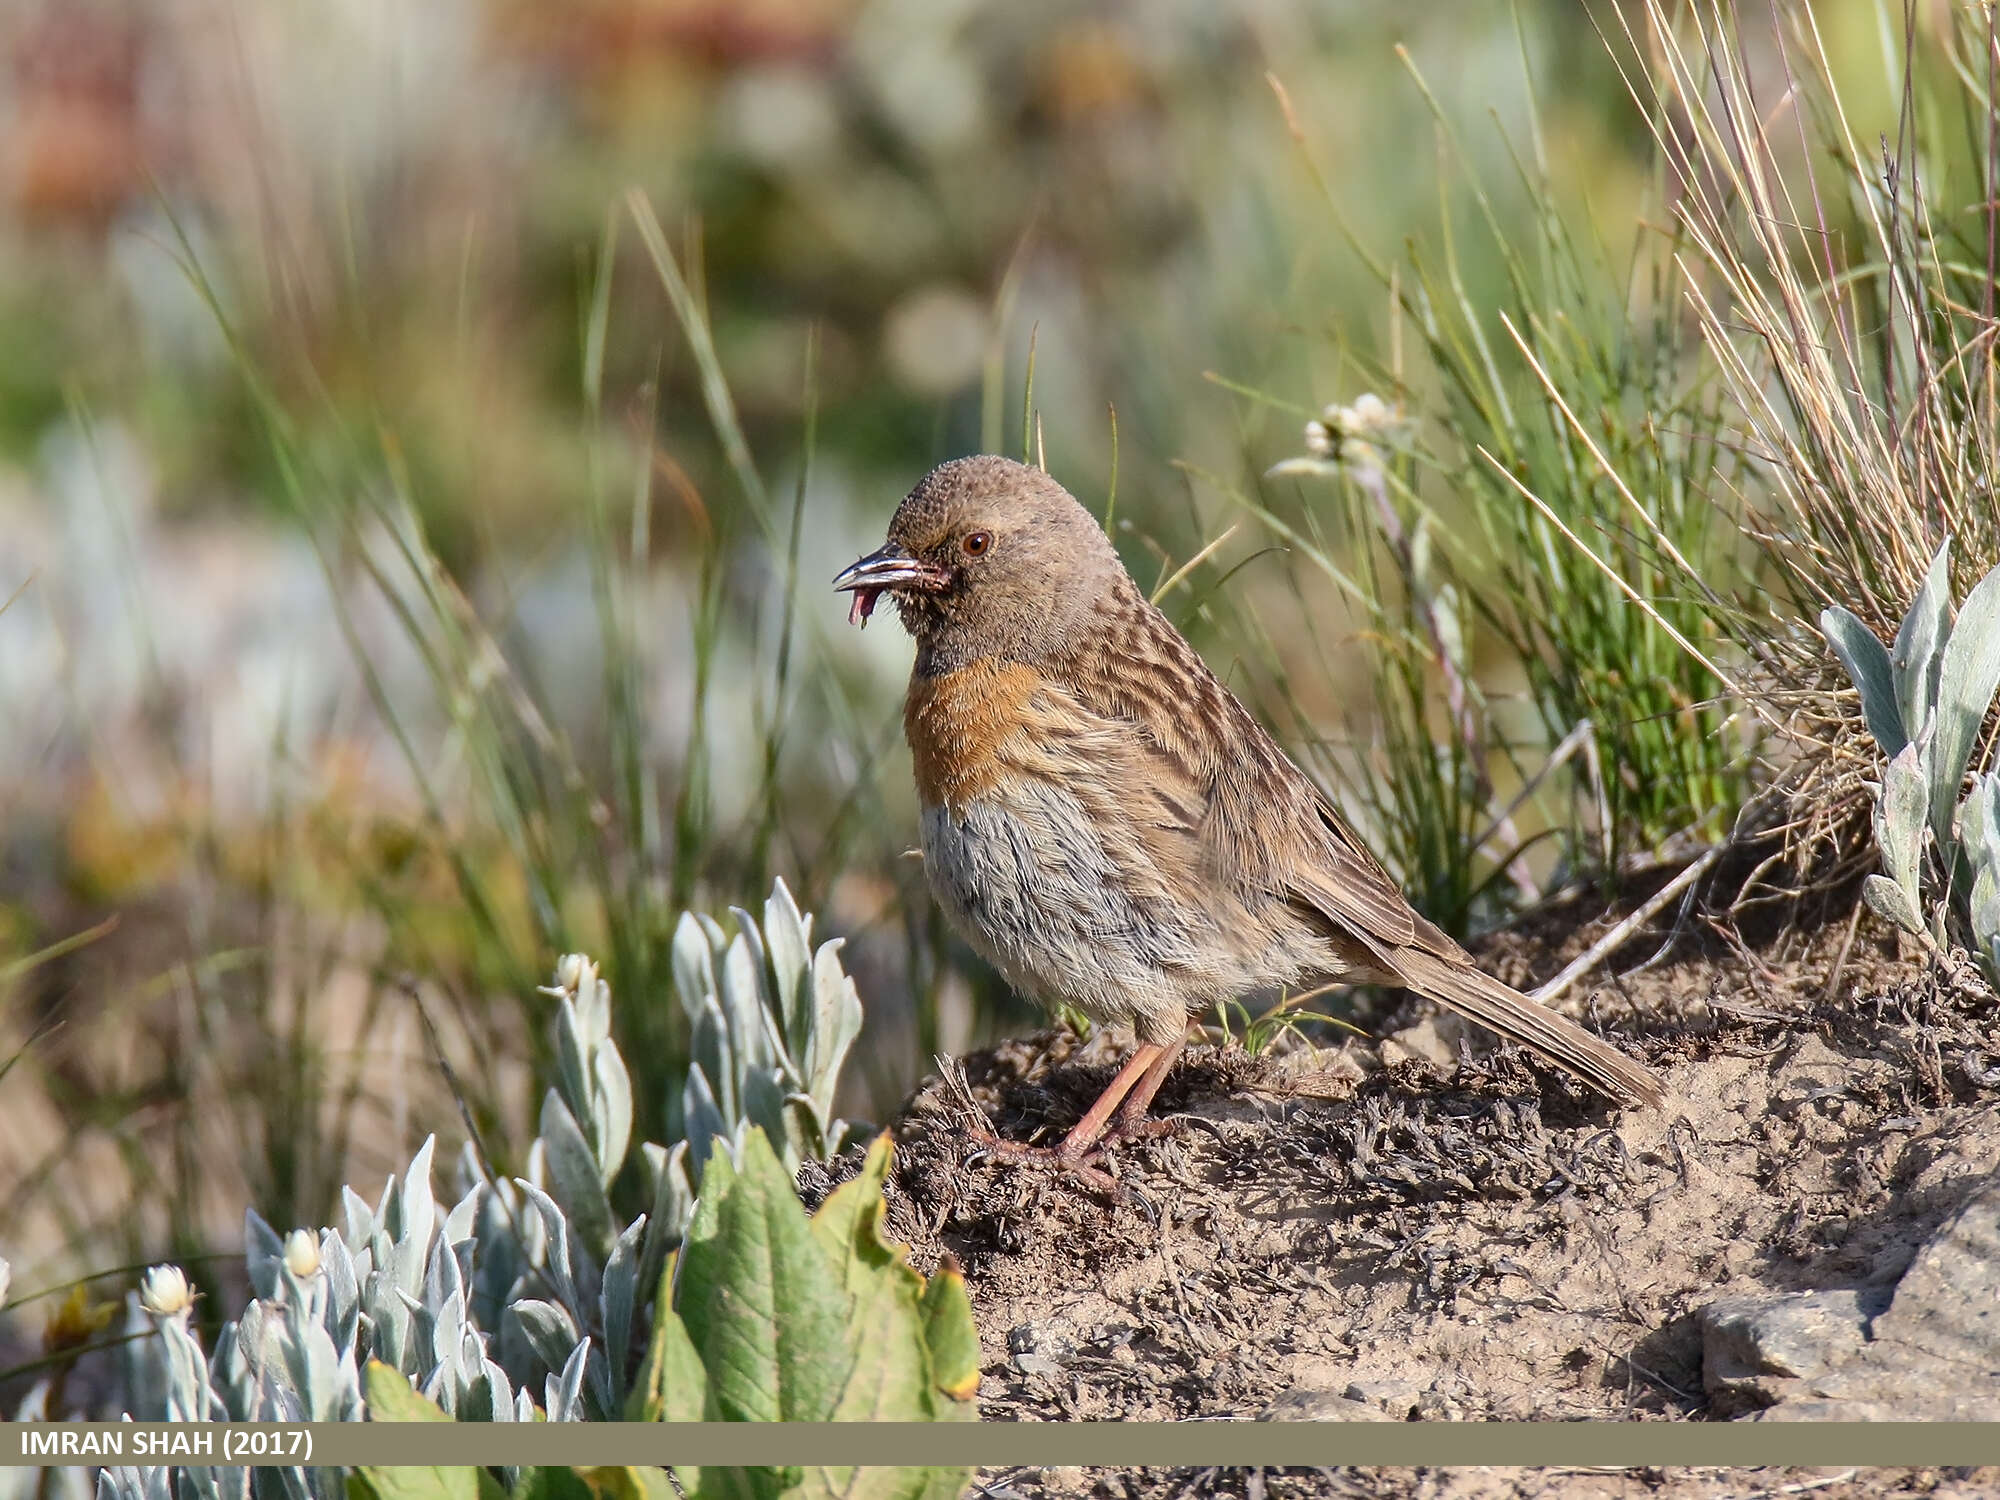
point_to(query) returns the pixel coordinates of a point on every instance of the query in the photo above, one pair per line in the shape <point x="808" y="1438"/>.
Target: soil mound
<point x="1416" y="1225"/>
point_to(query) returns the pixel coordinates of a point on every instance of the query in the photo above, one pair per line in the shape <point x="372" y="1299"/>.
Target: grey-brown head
<point x="987" y="557"/>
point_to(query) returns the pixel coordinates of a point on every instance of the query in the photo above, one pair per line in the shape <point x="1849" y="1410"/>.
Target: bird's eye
<point x="977" y="543"/>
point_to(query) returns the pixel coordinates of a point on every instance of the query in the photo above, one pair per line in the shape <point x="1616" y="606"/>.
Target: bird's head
<point x="987" y="557"/>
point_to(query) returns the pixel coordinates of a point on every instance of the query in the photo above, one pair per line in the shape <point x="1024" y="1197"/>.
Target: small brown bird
<point x="1107" y="825"/>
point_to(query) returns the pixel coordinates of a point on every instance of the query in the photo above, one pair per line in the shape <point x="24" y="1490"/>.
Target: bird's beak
<point x="888" y="569"/>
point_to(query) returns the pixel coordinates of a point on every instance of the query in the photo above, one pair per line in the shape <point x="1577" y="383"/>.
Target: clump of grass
<point x="1589" y="451"/>
<point x="1843" y="278"/>
<point x="1544" y="495"/>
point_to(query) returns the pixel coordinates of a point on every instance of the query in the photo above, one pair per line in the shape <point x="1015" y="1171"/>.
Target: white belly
<point x="1031" y="887"/>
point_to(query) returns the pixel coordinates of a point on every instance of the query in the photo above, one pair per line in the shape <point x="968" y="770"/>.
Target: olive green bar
<point x="1121" y="1444"/>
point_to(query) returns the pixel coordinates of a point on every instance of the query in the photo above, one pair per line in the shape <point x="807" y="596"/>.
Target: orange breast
<point x="959" y="724"/>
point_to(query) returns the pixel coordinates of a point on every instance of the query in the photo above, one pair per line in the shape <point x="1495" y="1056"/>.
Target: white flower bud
<point x="302" y="1254"/>
<point x="1319" y="442"/>
<point x="1369" y="411"/>
<point x="6" y="1277"/>
<point x="164" y="1292"/>
<point x="573" y="972"/>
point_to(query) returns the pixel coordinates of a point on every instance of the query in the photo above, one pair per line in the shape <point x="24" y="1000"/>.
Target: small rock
<point x="1433" y="1040"/>
<point x="1948" y="1302"/>
<point x="1751" y="1344"/>
<point x="1396" y="1397"/>
<point x="1038" y="1349"/>
<point x="1320" y="1406"/>
<point x="1932" y="1354"/>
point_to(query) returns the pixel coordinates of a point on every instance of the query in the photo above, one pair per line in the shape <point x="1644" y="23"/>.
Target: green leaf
<point x="849" y="1340"/>
<point x="892" y="1375"/>
<point x="952" y="1336"/>
<point x="390" y="1399"/>
<point x="620" y="1483"/>
<point x="1967" y="677"/>
<point x="759" y="1297"/>
<point x="881" y="1484"/>
<point x="1867" y="665"/>
<point x="672" y="1386"/>
<point x="847" y="1225"/>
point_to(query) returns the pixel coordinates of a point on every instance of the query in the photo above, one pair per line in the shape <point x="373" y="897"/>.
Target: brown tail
<point x="1496" y="1006"/>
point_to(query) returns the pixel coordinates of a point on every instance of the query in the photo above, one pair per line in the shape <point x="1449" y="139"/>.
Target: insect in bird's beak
<point x="886" y="570"/>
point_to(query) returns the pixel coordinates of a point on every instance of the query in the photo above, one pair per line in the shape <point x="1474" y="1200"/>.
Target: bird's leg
<point x="1082" y="1139"/>
<point x="1132" y="1122"/>
<point x="1080" y="1144"/>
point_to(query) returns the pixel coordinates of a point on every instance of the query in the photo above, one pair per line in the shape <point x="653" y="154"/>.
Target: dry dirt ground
<point x="1414" y="1225"/>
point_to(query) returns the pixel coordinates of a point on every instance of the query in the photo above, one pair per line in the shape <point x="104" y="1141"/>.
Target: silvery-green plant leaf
<point x="388" y="1318"/>
<point x="490" y="1398"/>
<point x="536" y="1168"/>
<point x="441" y="1390"/>
<point x="705" y="1121"/>
<point x="753" y="940"/>
<point x="552" y="1332"/>
<point x="1978" y="822"/>
<point x="565" y="1391"/>
<point x="1867" y="664"/>
<point x="1914" y="655"/>
<point x="189" y="1396"/>
<point x="462" y="1223"/>
<point x="1899" y="820"/>
<point x="764" y="1107"/>
<point x="574" y="1179"/>
<point x="1979" y="837"/>
<point x="836" y="1023"/>
<point x="592" y="1006"/>
<point x="509" y="1243"/>
<point x="140" y="1363"/>
<point x="788" y="937"/>
<point x="619" y="1301"/>
<point x="1889" y="901"/>
<point x="568" y="1264"/>
<point x="229" y="1375"/>
<point x="572" y="1071"/>
<point x="714" y="1054"/>
<point x="444" y="1277"/>
<point x="359" y="1217"/>
<point x="744" y="1002"/>
<point x="412" y="1212"/>
<point x="694" y="966"/>
<point x="673" y="1200"/>
<point x="1968" y="675"/>
<point x="315" y="1369"/>
<point x="343" y="1292"/>
<point x="805" y="1132"/>
<point x="611" y="1109"/>
<point x="263" y="1251"/>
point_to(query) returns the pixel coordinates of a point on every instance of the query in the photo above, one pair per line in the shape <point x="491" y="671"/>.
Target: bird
<point x="1107" y="825"/>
